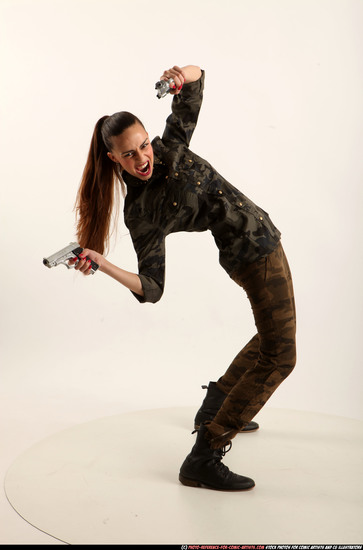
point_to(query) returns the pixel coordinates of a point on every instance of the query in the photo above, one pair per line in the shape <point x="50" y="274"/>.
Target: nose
<point x="139" y="157"/>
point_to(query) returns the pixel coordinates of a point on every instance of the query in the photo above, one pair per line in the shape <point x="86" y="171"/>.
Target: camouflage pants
<point x="269" y="357"/>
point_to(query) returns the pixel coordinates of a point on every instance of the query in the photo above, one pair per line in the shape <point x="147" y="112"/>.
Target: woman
<point x="169" y="189"/>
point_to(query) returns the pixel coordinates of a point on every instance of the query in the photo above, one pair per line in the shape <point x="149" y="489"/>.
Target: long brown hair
<point x="100" y="184"/>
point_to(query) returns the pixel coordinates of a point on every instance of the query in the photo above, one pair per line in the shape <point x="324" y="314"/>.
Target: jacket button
<point x="175" y="203"/>
<point x="198" y="182"/>
<point x="166" y="177"/>
<point x="190" y="160"/>
<point x="241" y="203"/>
<point x="220" y="192"/>
<point x="261" y="218"/>
<point x="176" y="174"/>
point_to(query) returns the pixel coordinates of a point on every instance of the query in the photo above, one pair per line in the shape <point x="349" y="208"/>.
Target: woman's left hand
<point x="179" y="77"/>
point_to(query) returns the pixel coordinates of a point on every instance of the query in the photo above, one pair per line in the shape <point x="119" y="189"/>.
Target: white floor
<point x="115" y="481"/>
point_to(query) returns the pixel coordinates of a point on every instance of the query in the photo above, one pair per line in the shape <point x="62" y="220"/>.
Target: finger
<point x="84" y="254"/>
<point x="166" y="75"/>
<point x="177" y="77"/>
<point x="78" y="265"/>
<point x="176" y="86"/>
<point x="173" y="89"/>
<point x="180" y="71"/>
<point x="72" y="261"/>
<point x="85" y="266"/>
<point x="81" y="262"/>
<point x="176" y="74"/>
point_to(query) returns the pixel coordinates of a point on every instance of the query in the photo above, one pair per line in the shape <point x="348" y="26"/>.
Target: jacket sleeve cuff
<point x="152" y="291"/>
<point x="192" y="88"/>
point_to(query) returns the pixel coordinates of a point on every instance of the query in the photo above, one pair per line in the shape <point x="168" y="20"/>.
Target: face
<point x="133" y="150"/>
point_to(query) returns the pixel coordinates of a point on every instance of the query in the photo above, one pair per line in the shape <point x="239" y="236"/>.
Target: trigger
<point x="69" y="266"/>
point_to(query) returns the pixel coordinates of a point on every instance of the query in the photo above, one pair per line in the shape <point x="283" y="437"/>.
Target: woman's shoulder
<point x="168" y="151"/>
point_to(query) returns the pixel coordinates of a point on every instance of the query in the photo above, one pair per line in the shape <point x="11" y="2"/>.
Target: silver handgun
<point x="73" y="250"/>
<point x="163" y="87"/>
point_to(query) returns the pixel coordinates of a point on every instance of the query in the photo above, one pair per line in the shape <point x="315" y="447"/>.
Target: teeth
<point x="143" y="166"/>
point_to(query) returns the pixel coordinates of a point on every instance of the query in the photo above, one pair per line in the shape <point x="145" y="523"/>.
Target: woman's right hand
<point x="130" y="280"/>
<point x="83" y="264"/>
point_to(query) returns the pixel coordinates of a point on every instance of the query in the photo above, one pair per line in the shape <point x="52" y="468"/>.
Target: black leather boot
<point x="203" y="468"/>
<point x="211" y="405"/>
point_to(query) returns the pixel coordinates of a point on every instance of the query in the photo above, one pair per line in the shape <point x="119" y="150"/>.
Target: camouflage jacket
<point x="185" y="193"/>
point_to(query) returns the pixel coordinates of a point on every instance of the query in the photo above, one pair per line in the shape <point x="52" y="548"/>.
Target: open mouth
<point x="144" y="169"/>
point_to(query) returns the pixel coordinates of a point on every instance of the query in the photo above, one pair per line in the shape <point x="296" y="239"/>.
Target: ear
<point x="112" y="157"/>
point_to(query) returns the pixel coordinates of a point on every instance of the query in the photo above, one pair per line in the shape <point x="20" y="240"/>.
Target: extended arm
<point x="126" y="278"/>
<point x="149" y="243"/>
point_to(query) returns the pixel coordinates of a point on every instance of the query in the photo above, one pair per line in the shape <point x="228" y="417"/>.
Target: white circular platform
<point x="115" y="481"/>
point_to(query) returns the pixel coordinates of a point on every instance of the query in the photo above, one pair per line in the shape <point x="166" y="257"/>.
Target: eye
<point x="127" y="155"/>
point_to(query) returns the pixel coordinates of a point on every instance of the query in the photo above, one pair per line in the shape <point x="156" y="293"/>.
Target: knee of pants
<point x="282" y="358"/>
<point x="290" y="362"/>
<point x="287" y="369"/>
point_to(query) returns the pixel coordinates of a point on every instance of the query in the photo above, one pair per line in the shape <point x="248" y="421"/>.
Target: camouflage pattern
<point x="185" y="193"/>
<point x="269" y="357"/>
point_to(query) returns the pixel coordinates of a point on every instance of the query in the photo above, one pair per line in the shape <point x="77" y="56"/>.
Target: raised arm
<point x="185" y="107"/>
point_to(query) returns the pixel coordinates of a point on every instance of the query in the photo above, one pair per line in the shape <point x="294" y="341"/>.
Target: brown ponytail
<point x="100" y="183"/>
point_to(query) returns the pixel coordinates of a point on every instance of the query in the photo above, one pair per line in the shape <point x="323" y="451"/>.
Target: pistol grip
<point x="77" y="251"/>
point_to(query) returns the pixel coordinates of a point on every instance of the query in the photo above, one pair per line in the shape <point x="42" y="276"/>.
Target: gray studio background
<point x="281" y="120"/>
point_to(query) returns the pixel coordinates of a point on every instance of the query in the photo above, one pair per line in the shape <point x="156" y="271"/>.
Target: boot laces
<point x="219" y="454"/>
<point x="225" y="449"/>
